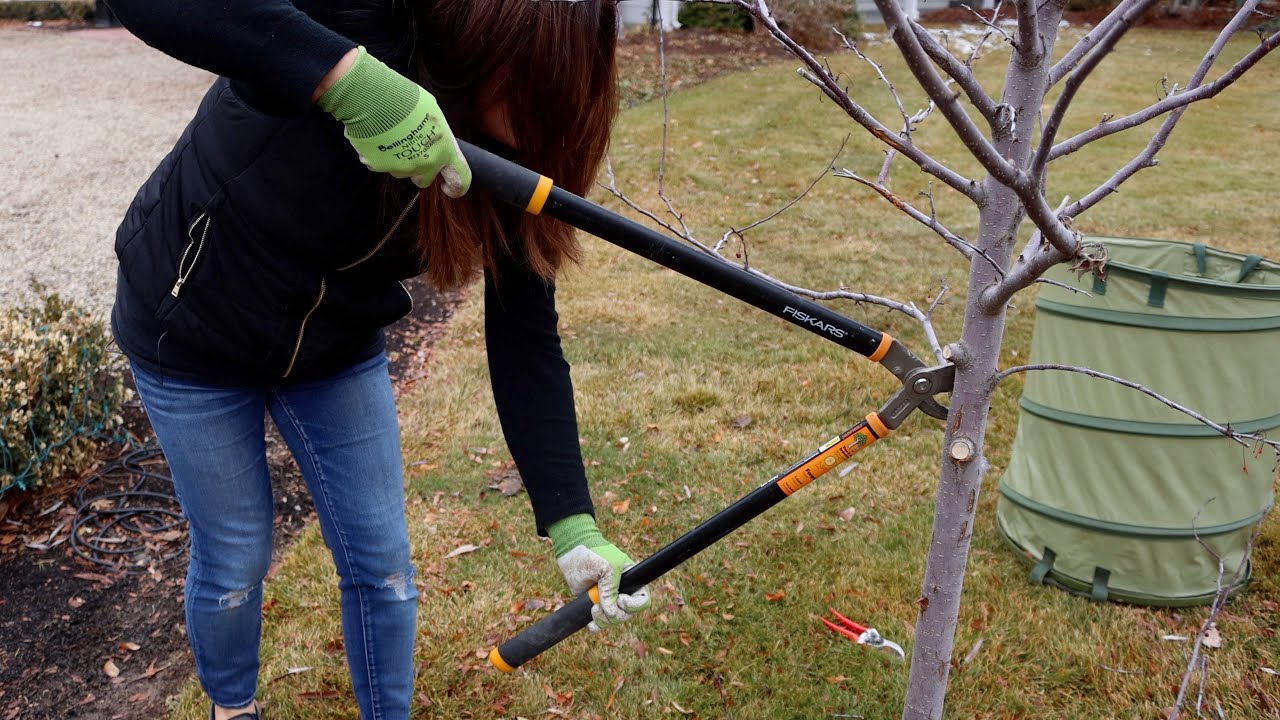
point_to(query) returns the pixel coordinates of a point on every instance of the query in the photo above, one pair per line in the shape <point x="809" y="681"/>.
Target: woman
<point x="260" y="261"/>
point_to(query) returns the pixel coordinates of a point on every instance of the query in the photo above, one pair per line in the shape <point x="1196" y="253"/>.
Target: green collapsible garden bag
<point x="1108" y="491"/>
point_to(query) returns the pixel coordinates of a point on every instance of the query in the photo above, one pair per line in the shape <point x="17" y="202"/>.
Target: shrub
<point x="810" y="22"/>
<point x="58" y="390"/>
<point x="715" y="17"/>
<point x="45" y="9"/>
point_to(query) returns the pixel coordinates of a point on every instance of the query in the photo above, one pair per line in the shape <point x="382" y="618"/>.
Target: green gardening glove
<point x="396" y="126"/>
<point x="586" y="559"/>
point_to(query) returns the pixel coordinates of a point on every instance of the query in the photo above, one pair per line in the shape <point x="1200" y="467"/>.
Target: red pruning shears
<point x="863" y="635"/>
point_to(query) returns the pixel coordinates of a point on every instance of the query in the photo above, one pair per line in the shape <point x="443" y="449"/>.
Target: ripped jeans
<point x="344" y="433"/>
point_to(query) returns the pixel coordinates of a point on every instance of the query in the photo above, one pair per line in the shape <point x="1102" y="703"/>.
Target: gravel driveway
<point x="87" y="115"/>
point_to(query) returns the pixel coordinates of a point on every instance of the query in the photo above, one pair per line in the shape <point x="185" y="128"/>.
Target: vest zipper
<point x="408" y="294"/>
<point x="199" y="248"/>
<point x="396" y="226"/>
<point x="297" y="346"/>
<point x="302" y="330"/>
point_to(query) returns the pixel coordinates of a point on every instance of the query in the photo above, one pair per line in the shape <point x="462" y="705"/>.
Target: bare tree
<point x="1015" y="144"/>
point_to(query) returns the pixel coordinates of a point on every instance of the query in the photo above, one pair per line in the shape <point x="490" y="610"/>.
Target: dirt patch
<point x="693" y="56"/>
<point x="83" y="639"/>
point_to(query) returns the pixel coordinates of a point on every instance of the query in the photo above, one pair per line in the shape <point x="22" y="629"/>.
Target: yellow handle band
<point x="886" y="341"/>
<point x="540" y="195"/>
<point x="495" y="659"/>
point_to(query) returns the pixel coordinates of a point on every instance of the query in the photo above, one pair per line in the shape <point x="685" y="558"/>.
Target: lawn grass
<point x="688" y="400"/>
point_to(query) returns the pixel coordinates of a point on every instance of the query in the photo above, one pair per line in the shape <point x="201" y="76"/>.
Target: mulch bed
<point x="79" y="639"/>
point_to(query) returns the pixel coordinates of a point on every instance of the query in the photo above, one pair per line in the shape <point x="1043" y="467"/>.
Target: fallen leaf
<point x="130" y="646"/>
<point x="461" y="550"/>
<point x="94" y="577"/>
<point x="7" y="539"/>
<point x="836" y="679"/>
<point x="847" y="514"/>
<point x="682" y="711"/>
<point x="110" y="669"/>
<point x="1212" y="638"/>
<point x="507" y="482"/>
<point x="75" y="602"/>
<point x="665" y="651"/>
<point x="742" y="421"/>
<point x="621" y="507"/>
<point x="1269" y="671"/>
<point x="775" y="596"/>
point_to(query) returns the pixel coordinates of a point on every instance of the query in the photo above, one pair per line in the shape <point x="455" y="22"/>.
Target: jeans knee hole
<point x="400" y="583"/>
<point x="234" y="599"/>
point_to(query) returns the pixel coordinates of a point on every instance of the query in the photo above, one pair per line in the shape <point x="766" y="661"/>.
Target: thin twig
<point x="830" y="165"/>
<point x="1245" y="439"/>
<point x="681" y="232"/>
<point x="1219" y="602"/>
<point x="965" y="247"/>
<point x="821" y="76"/>
<point x="662" y="160"/>
<point x="992" y="26"/>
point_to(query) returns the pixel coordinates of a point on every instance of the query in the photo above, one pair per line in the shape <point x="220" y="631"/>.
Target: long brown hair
<point x="552" y="65"/>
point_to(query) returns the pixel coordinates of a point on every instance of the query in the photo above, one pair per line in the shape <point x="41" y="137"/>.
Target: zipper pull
<point x="177" y="287"/>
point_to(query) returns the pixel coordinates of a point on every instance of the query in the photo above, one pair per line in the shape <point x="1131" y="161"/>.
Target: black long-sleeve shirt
<point x="280" y="51"/>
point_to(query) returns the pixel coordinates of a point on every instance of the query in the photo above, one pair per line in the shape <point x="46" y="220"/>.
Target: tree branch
<point x="829" y="167"/>
<point x="1173" y="102"/>
<point x="662" y="160"/>
<point x="1245" y="439"/>
<point x="1040" y="164"/>
<point x="1028" y="33"/>
<point x="1219" y="602"/>
<point x="958" y="71"/>
<point x="1120" y="14"/>
<point x="922" y="68"/>
<point x="930" y="221"/>
<point x="1146" y="158"/>
<point x="816" y="73"/>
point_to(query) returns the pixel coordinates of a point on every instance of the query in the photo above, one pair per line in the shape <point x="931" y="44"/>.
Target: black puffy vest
<point x="260" y="251"/>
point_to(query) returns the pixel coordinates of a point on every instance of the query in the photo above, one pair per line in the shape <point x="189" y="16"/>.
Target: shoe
<point x="250" y="715"/>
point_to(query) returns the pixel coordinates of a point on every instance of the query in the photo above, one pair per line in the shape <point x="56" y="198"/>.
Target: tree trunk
<point x="976" y="356"/>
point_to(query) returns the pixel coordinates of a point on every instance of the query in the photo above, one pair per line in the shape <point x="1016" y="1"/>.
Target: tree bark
<point x="976" y="357"/>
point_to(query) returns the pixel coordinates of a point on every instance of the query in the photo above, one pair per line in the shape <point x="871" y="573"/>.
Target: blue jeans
<point x="344" y="433"/>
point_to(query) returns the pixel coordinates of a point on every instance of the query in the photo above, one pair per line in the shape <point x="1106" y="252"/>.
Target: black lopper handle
<point x="511" y="183"/>
<point x="544" y="634"/>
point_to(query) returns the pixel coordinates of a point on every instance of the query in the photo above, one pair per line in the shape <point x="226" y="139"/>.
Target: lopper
<point x="537" y="194"/>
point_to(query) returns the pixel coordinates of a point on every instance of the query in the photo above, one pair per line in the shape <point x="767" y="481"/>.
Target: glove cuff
<point x="568" y="533"/>
<point x="370" y="98"/>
